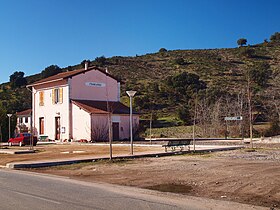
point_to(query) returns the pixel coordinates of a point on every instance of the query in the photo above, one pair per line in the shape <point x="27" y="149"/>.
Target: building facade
<point x="24" y="121"/>
<point x="80" y="104"/>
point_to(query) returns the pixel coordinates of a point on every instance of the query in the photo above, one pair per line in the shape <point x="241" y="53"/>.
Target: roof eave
<point x="86" y="110"/>
<point x="46" y="82"/>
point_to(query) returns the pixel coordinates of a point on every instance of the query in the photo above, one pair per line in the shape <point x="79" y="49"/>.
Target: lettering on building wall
<point x="95" y="84"/>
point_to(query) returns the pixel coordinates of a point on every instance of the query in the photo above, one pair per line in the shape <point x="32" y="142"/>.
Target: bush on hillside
<point x="260" y="74"/>
<point x="274" y="129"/>
<point x="162" y="50"/>
<point x="247" y="52"/>
<point x="275" y="37"/>
<point x="184" y="114"/>
<point x="180" y="61"/>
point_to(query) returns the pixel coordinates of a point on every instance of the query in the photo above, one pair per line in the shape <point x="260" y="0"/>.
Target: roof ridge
<point x="68" y="74"/>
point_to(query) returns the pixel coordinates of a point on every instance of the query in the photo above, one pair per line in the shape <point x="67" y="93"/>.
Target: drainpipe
<point x="32" y="117"/>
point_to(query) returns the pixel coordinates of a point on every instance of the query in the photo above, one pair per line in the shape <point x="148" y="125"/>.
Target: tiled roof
<point x="100" y="107"/>
<point x="68" y="74"/>
<point x="24" y="112"/>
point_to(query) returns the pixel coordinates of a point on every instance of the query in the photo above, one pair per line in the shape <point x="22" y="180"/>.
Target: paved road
<point x="26" y="190"/>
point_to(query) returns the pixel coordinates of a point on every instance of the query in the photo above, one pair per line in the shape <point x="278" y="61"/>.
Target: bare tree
<point x="249" y="97"/>
<point x="210" y="116"/>
<point x="99" y="131"/>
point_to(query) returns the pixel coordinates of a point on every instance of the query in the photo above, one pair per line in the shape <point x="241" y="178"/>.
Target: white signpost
<point x="237" y="118"/>
<point x="233" y="118"/>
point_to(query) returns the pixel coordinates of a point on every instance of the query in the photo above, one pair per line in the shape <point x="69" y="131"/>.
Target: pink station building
<point x="78" y="105"/>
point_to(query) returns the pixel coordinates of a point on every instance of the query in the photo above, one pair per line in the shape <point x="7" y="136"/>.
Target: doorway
<point x="116" y="132"/>
<point x="57" y="128"/>
<point x="41" y="125"/>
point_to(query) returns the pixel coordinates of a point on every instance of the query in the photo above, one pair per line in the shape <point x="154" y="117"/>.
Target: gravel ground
<point x="254" y="154"/>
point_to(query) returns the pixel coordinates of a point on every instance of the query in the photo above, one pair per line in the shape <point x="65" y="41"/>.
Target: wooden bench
<point x="173" y="144"/>
<point x="43" y="138"/>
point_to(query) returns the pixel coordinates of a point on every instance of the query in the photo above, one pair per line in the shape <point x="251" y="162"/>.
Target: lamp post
<point x="131" y="93"/>
<point x="9" y="115"/>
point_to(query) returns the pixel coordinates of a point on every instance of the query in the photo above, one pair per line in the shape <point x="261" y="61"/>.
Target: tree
<point x="241" y="42"/>
<point x="275" y="37"/>
<point x="17" y="79"/>
<point x="249" y="96"/>
<point x="50" y="71"/>
<point x="70" y="68"/>
<point x="186" y="83"/>
<point x="184" y="114"/>
<point x="99" y="131"/>
<point x="100" y="61"/>
<point x="3" y="123"/>
<point x="85" y="61"/>
<point x="162" y="50"/>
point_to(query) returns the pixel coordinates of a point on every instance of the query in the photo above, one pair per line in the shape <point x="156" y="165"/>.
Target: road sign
<point x="95" y="84"/>
<point x="234" y="118"/>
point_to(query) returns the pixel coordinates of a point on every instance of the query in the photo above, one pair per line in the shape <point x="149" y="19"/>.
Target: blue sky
<point x="37" y="33"/>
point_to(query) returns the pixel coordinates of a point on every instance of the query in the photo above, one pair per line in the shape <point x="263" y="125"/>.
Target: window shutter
<point x="41" y="96"/>
<point x="61" y="95"/>
<point x="53" y="96"/>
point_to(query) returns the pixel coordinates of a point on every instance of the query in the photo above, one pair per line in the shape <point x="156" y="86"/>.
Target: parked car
<point x="22" y="139"/>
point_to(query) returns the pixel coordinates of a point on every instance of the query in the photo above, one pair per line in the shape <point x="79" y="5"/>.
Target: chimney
<point x="86" y="65"/>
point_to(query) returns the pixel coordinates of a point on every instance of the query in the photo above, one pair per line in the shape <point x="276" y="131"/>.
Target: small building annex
<point x="23" y="121"/>
<point x="80" y="104"/>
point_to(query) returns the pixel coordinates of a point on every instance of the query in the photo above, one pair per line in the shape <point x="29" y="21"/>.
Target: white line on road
<point x="37" y="197"/>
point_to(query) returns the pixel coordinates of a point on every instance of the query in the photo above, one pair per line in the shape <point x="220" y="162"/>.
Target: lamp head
<point x="131" y="93"/>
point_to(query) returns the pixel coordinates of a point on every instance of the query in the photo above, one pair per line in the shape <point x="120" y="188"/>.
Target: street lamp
<point x="131" y="93"/>
<point x="9" y="115"/>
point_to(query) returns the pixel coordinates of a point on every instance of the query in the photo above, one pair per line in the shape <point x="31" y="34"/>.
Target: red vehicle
<point x="22" y="139"/>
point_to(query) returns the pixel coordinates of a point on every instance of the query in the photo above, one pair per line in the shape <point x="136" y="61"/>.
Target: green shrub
<point x="273" y="130"/>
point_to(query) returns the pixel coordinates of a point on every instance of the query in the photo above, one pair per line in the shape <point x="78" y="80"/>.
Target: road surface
<point x="26" y="190"/>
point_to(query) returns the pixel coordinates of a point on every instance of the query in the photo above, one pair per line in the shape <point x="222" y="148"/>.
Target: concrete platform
<point x="56" y="162"/>
<point x="15" y="151"/>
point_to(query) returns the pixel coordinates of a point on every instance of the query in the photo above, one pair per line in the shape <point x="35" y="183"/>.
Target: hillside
<point x="160" y="81"/>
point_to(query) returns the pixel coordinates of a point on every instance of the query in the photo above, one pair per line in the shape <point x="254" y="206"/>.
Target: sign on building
<point x="95" y="84"/>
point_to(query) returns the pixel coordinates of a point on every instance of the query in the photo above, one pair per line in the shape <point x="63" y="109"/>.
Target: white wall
<point x="27" y="124"/>
<point x="125" y="126"/>
<point x="101" y="121"/>
<point x="81" y="124"/>
<point x="79" y="89"/>
<point x="49" y="111"/>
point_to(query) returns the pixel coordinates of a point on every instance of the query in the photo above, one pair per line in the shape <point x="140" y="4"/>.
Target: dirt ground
<point x="245" y="176"/>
